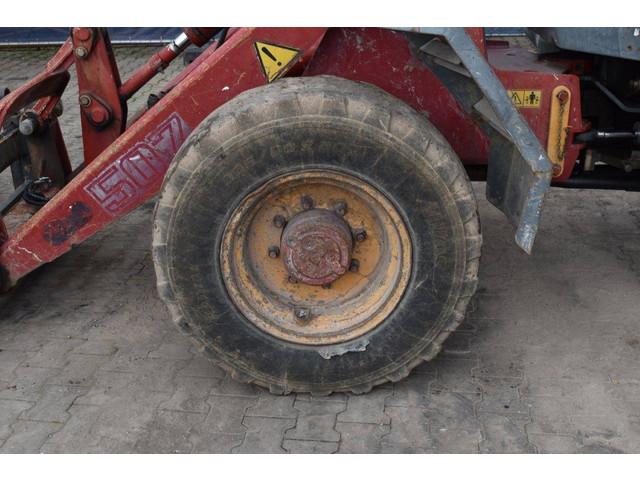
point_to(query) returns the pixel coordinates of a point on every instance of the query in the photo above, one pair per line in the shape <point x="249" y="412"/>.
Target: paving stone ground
<point x="547" y="360"/>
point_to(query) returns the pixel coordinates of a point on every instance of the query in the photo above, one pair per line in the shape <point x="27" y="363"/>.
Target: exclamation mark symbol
<point x="270" y="55"/>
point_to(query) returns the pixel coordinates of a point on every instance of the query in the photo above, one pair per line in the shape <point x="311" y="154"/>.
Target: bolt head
<point x="340" y="208"/>
<point x="85" y="100"/>
<point x="27" y="126"/>
<point x="326" y="286"/>
<point x="81" y="52"/>
<point x="354" y="266"/>
<point x="99" y="116"/>
<point x="307" y="202"/>
<point x="279" y="221"/>
<point x="361" y="235"/>
<point x="274" y="251"/>
<point x="292" y="279"/>
<point x="302" y="314"/>
<point x="563" y="96"/>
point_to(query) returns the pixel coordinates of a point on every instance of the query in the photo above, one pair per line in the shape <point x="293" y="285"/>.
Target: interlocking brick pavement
<point x="547" y="360"/>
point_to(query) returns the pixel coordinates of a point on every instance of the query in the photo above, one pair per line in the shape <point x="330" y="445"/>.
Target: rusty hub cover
<point x="316" y="247"/>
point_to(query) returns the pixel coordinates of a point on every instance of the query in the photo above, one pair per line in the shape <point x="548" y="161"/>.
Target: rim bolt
<point x="307" y="202"/>
<point x="274" y="251"/>
<point x="279" y="221"/>
<point x="354" y="266"/>
<point x="302" y="314"/>
<point x="340" y="208"/>
<point x="361" y="235"/>
<point x="292" y="279"/>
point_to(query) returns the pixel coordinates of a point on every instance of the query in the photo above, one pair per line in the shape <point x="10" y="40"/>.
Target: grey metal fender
<point x="519" y="171"/>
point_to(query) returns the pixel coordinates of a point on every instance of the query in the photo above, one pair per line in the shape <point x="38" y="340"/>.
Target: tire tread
<point x="333" y="96"/>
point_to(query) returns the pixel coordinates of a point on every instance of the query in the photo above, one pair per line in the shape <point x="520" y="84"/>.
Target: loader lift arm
<point x="130" y="170"/>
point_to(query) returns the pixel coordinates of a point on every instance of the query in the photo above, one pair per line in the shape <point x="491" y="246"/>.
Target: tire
<point x="293" y="125"/>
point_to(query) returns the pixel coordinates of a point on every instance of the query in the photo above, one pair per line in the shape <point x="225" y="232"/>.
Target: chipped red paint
<point x="130" y="169"/>
<point x="59" y="230"/>
<point x="46" y="86"/>
<point x="158" y="62"/>
<point x="519" y="69"/>
<point x="103" y="117"/>
<point x="230" y="70"/>
<point x="386" y="59"/>
<point x="123" y="182"/>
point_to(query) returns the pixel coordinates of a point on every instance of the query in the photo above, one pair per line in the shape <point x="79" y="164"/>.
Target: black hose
<point x="603" y="136"/>
<point x="604" y="178"/>
<point x="31" y="193"/>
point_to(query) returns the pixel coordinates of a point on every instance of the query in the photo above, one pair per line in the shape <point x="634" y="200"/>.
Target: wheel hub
<point x="302" y="231"/>
<point x="317" y="246"/>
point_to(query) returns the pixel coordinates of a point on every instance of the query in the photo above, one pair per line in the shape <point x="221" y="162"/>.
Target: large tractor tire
<point x="317" y="235"/>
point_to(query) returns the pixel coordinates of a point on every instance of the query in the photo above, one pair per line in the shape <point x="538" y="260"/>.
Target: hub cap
<point x="316" y="257"/>
<point x="316" y="247"/>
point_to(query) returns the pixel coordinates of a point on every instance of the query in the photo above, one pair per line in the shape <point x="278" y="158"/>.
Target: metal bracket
<point x="519" y="171"/>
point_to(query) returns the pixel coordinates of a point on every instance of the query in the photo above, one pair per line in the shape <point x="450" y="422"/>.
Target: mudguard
<point x="519" y="171"/>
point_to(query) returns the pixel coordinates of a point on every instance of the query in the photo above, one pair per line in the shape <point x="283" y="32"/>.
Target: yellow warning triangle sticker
<point x="515" y="98"/>
<point x="275" y="59"/>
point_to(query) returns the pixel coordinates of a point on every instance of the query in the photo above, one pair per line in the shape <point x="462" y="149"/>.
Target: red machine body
<point x="385" y="58"/>
<point x="124" y="165"/>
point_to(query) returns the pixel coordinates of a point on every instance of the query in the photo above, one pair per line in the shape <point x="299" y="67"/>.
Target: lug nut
<point x="354" y="266"/>
<point x="302" y="314"/>
<point x="307" y="202"/>
<point x="274" y="251"/>
<point x="361" y="235"/>
<point x="340" y="208"/>
<point x="279" y="221"/>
